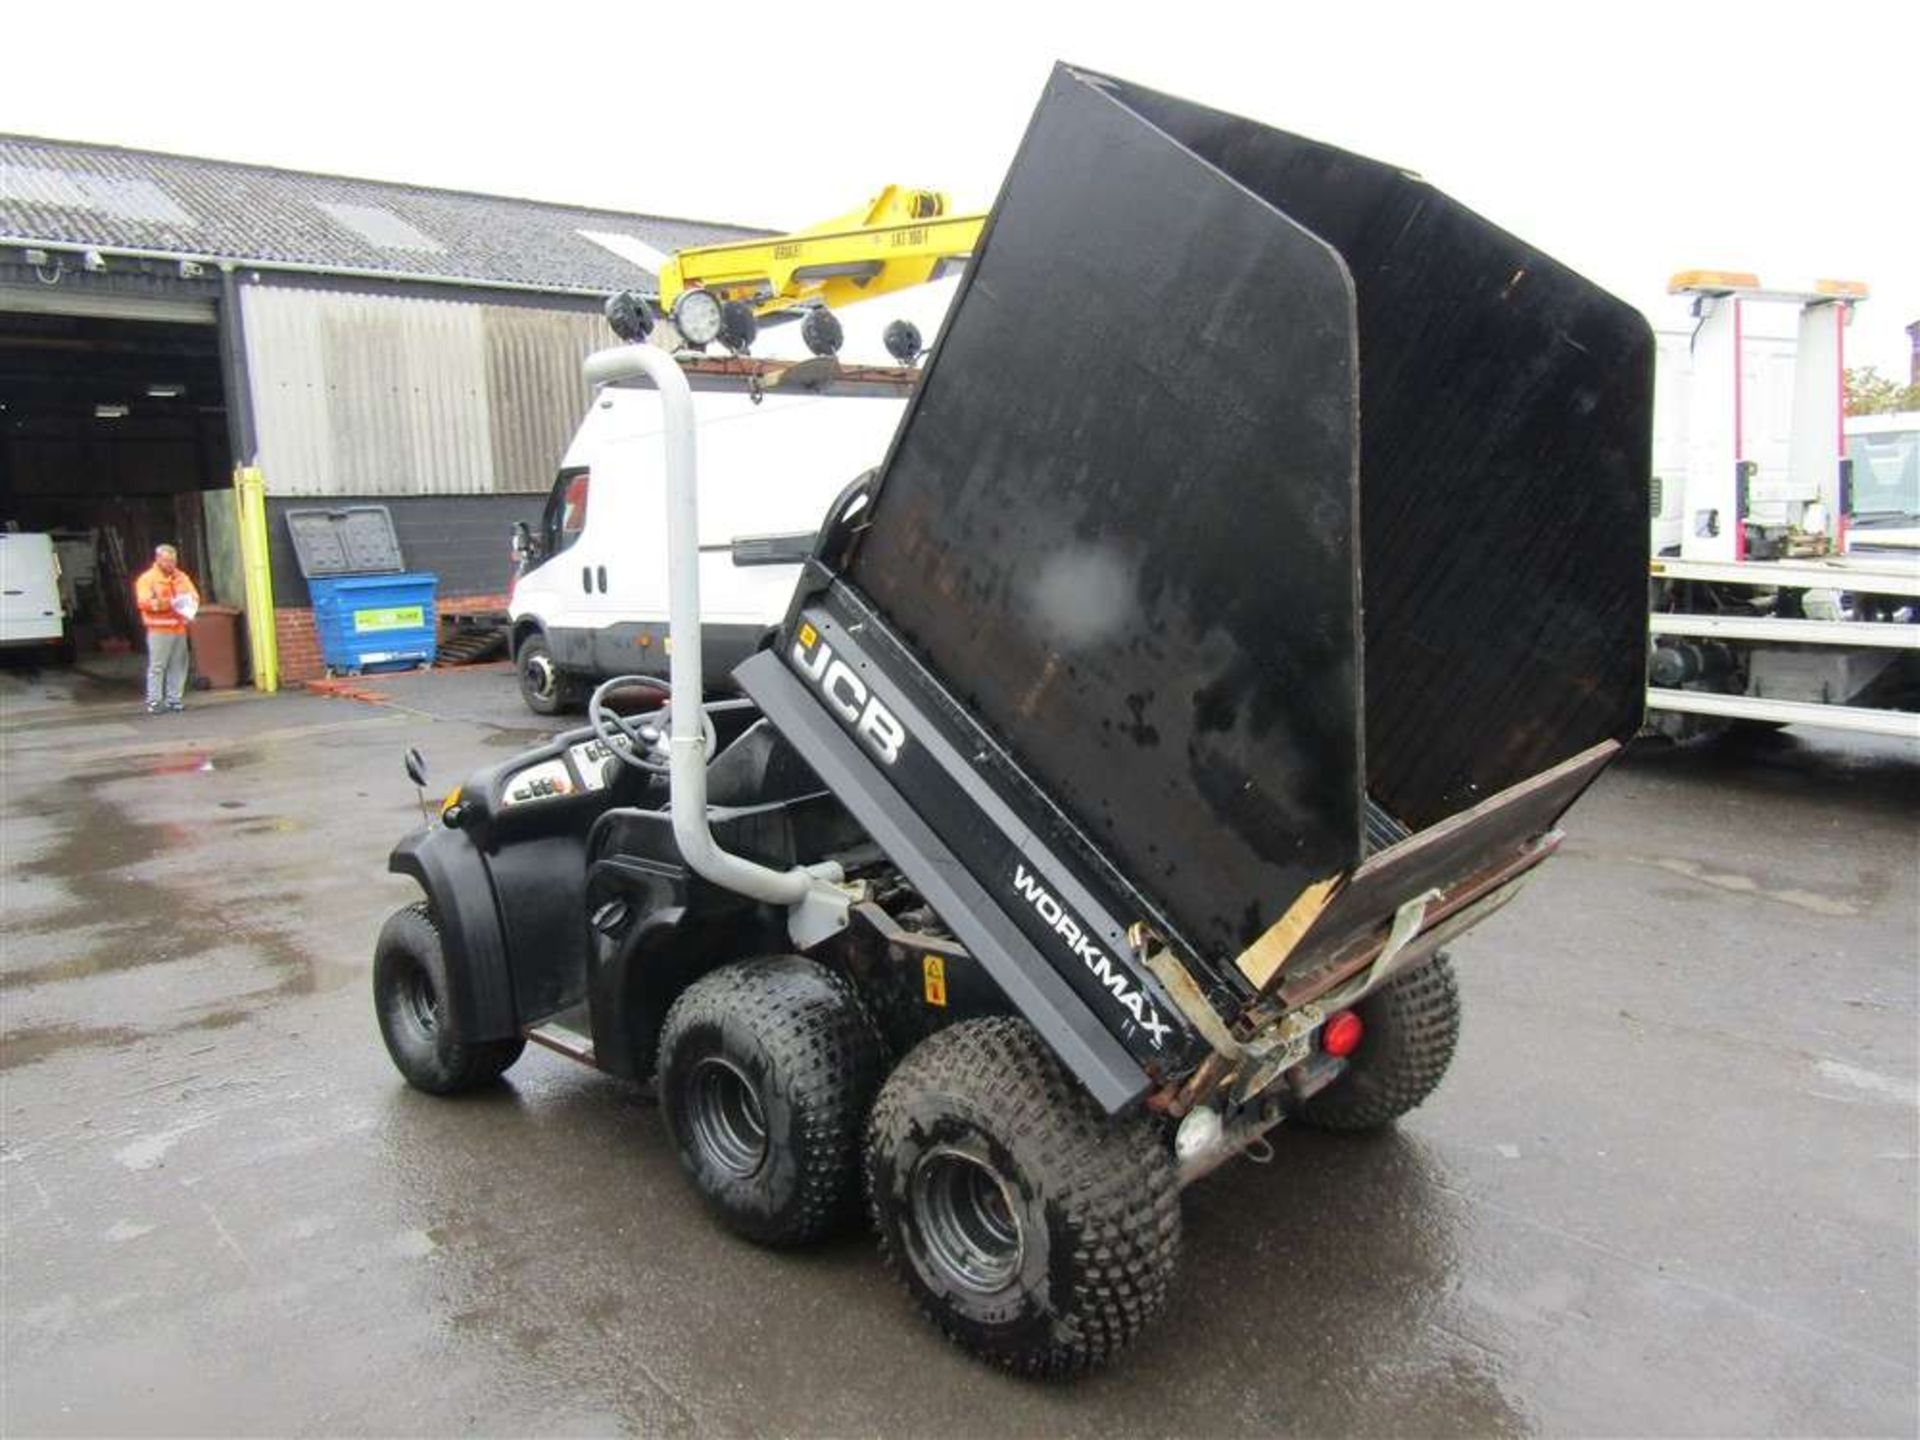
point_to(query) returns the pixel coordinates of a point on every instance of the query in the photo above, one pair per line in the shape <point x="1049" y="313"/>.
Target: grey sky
<point x="1629" y="140"/>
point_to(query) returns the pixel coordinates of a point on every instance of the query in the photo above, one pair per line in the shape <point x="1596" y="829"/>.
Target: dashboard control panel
<point x="590" y="761"/>
<point x="580" y="769"/>
<point x="539" y="782"/>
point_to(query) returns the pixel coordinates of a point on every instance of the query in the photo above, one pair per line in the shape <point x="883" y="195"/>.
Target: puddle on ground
<point x="279" y="825"/>
<point x="135" y="922"/>
<point x="24" y="1047"/>
<point x="193" y="762"/>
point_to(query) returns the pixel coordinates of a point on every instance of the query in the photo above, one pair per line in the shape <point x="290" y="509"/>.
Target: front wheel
<point x="543" y="685"/>
<point x="410" y="999"/>
<point x="1034" y="1230"/>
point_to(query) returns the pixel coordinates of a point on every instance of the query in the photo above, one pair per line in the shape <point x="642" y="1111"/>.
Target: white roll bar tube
<point x="818" y="909"/>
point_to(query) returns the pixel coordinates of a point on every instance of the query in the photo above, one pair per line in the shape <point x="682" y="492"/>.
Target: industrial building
<point x="167" y="321"/>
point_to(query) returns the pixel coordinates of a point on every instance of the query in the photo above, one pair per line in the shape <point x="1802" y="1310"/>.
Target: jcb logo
<point x="848" y="694"/>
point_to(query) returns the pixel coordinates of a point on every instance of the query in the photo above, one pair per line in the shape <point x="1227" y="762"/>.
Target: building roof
<point x="57" y="192"/>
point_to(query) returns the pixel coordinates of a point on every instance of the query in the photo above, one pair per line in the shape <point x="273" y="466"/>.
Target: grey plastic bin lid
<point x="357" y="540"/>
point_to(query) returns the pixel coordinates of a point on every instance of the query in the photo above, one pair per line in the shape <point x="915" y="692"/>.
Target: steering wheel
<point x="640" y="740"/>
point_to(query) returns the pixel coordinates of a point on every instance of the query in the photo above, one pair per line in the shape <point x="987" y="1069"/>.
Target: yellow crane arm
<point x="898" y="239"/>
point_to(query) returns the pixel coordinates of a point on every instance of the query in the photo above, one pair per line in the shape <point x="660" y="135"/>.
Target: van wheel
<point x="767" y="1070"/>
<point x="410" y="999"/>
<point x="1409" y="1028"/>
<point x="1034" y="1230"/>
<point x="543" y="685"/>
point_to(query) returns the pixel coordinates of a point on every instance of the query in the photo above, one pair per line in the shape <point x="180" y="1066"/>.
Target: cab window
<point x="566" y="513"/>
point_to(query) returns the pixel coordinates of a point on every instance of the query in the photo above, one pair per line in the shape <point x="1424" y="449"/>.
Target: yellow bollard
<point x="250" y="502"/>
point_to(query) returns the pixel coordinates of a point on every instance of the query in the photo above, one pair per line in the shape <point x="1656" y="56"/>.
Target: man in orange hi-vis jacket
<point x="168" y="600"/>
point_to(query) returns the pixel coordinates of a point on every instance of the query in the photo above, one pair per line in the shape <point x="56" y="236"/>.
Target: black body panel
<point x="1506" y="412"/>
<point x="1119" y="519"/>
<point x="669" y="928"/>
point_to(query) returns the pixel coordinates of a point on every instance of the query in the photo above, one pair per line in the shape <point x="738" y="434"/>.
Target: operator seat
<point x="761" y="799"/>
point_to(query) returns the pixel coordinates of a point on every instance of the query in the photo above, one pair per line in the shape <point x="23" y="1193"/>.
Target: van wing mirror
<point x="524" y="548"/>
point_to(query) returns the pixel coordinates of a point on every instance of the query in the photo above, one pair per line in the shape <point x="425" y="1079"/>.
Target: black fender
<point x="453" y="873"/>
<point x="671" y="928"/>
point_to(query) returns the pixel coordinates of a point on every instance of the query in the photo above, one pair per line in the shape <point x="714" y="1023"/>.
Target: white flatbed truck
<point x="1770" y="604"/>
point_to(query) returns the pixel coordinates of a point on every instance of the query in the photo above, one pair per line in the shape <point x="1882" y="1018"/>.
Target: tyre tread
<point x="1419" y="1012"/>
<point x="821" y="1042"/>
<point x="1114" y="1180"/>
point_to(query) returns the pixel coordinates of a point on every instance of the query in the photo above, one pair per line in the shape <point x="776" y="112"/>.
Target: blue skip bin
<point x="375" y="621"/>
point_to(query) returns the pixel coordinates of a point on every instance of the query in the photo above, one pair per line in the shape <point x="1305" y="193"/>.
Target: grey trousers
<point x="166" y="667"/>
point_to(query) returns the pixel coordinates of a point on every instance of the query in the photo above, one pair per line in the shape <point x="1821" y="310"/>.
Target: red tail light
<point x="1341" y="1035"/>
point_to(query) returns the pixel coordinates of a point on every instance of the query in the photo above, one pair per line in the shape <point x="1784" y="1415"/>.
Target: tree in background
<point x="1871" y="393"/>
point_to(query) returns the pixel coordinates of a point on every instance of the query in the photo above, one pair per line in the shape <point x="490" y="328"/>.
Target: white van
<point x="30" y="609"/>
<point x="590" y="598"/>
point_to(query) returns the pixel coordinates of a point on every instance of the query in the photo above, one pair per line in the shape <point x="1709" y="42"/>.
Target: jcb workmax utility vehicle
<point x="1254" y="579"/>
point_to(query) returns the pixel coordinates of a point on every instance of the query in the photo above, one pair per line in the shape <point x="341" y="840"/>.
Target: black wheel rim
<point x="965" y="1213"/>
<point x="418" y="1000"/>
<point x="724" y="1113"/>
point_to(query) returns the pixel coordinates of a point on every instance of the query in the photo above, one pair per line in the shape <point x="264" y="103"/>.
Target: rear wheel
<point x="410" y="999"/>
<point x="767" y="1070"/>
<point x="1033" y="1229"/>
<point x="1410" y="1026"/>
<point x="543" y="685"/>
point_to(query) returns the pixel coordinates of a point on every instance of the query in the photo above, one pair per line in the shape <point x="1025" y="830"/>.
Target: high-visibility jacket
<point x="155" y="593"/>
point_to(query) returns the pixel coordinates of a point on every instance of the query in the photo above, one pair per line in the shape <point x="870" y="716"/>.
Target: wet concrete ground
<point x="1668" y="1188"/>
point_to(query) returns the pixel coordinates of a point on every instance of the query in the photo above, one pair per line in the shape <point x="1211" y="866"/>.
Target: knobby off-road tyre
<point x="1410" y="1027"/>
<point x="767" y="1071"/>
<point x="410" y="999"/>
<point x="1031" y="1228"/>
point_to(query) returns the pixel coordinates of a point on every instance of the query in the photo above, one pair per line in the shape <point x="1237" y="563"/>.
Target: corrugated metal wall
<point x="362" y="395"/>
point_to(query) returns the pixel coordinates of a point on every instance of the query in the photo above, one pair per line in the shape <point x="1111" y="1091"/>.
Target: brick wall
<point x="299" y="645"/>
<point x="299" y="642"/>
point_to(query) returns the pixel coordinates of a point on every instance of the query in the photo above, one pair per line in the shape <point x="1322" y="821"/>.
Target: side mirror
<point x="416" y="766"/>
<point x="522" y="541"/>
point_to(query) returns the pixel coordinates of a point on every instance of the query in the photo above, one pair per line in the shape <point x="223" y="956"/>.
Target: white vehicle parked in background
<point x="1785" y="587"/>
<point x="780" y="435"/>
<point x="590" y="600"/>
<point x="31" y="612"/>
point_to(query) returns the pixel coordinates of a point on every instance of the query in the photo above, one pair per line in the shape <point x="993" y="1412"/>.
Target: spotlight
<point x="738" y="326"/>
<point x="630" y="316"/>
<point x="696" y="315"/>
<point x="821" y="330"/>
<point x="902" y="339"/>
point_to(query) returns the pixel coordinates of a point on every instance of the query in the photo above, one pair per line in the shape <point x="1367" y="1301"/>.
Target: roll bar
<point x="816" y="906"/>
